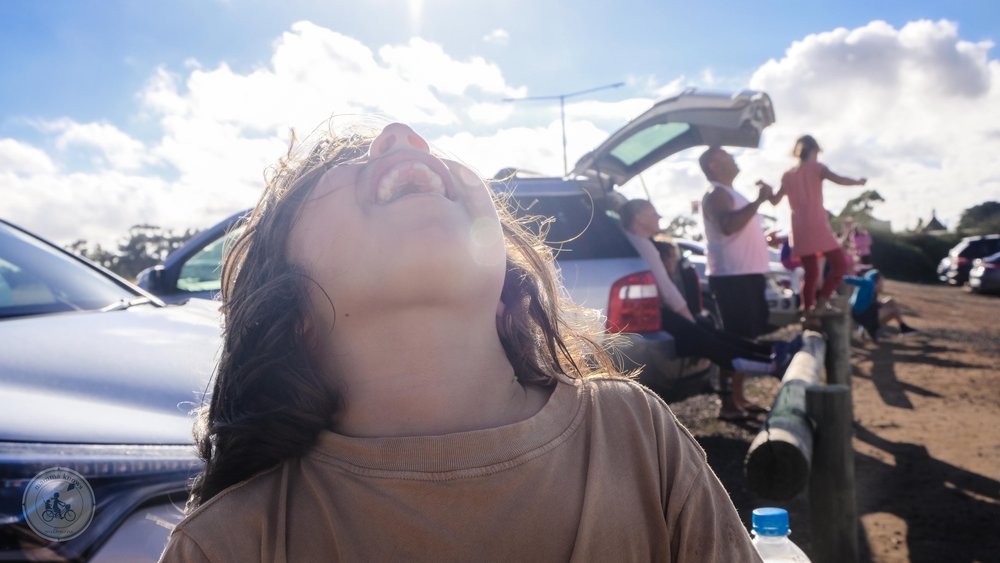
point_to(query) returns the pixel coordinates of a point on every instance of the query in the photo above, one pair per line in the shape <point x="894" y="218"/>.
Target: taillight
<point x="634" y="304"/>
<point x="990" y="265"/>
<point x="962" y="260"/>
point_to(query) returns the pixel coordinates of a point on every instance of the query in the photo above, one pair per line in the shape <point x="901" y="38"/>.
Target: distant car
<point x="600" y="268"/>
<point x="954" y="268"/>
<point x="984" y="276"/>
<point x="98" y="377"/>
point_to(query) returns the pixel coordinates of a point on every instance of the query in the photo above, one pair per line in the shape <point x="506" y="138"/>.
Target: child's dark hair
<point x="805" y="146"/>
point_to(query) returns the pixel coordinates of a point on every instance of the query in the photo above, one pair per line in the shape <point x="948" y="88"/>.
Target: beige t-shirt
<point x="603" y="472"/>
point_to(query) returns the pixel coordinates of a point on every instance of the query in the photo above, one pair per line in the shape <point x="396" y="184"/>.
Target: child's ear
<point x="500" y="308"/>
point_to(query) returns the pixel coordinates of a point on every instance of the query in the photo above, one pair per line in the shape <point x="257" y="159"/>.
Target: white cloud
<point x="114" y="148"/>
<point x="426" y="64"/>
<point x="221" y="128"/>
<point x="538" y="149"/>
<point x="21" y="158"/>
<point x="916" y="110"/>
<point x="497" y="37"/>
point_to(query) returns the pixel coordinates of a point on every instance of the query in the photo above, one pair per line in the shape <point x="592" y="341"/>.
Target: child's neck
<point x="426" y="371"/>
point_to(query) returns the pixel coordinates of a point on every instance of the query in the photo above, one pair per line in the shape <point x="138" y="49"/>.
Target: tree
<point x="144" y="246"/>
<point x="860" y="208"/>
<point x="981" y="219"/>
<point x="681" y="226"/>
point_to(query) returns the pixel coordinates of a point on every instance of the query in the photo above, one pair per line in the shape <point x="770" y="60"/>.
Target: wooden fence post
<point x="832" y="504"/>
<point x="838" y="332"/>
<point x="777" y="463"/>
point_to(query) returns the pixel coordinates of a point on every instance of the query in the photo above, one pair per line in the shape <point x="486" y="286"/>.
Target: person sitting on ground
<point x="400" y="381"/>
<point x="870" y="310"/>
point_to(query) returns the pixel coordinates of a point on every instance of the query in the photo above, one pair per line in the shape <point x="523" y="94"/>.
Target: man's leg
<point x="748" y="348"/>
<point x="729" y="409"/>
<point x="744" y="313"/>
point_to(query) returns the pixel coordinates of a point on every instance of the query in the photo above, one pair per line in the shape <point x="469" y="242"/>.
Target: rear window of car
<point x="643" y="143"/>
<point x="977" y="248"/>
<point x="577" y="231"/>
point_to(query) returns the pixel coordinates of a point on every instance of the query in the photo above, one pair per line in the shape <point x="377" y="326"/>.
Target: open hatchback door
<point x="675" y="124"/>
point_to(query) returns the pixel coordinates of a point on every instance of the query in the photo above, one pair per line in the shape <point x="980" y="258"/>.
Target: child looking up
<point x="399" y="382"/>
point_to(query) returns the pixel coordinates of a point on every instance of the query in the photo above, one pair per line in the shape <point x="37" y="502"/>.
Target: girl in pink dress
<point x="811" y="232"/>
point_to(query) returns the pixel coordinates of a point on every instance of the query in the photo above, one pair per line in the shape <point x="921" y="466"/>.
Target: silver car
<point x="984" y="276"/>
<point x="97" y="381"/>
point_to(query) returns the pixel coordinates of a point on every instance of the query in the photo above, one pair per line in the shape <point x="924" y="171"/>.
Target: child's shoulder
<point x="610" y="390"/>
<point x="229" y="508"/>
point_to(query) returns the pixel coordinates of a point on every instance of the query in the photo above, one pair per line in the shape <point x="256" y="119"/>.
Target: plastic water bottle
<point x="770" y="530"/>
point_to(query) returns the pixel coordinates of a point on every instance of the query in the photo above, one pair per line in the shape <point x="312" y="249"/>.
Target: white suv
<point x="600" y="268"/>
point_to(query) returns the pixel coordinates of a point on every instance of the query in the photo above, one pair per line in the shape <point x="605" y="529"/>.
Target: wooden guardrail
<point x="777" y="463"/>
<point x="807" y="440"/>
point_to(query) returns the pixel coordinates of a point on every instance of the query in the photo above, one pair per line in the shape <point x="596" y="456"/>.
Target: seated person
<point x="640" y="222"/>
<point x="871" y="311"/>
<point x="704" y="340"/>
<point x="684" y="276"/>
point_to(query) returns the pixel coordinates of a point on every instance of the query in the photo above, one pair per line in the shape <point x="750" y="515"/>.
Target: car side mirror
<point x="152" y="279"/>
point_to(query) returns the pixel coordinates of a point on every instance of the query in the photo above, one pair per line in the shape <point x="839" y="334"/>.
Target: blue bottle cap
<point x="770" y="521"/>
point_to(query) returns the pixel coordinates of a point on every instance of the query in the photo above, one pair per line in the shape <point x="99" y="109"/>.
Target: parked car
<point x="97" y="377"/>
<point x="984" y="276"/>
<point x="954" y="268"/>
<point x="599" y="267"/>
<point x="194" y="270"/>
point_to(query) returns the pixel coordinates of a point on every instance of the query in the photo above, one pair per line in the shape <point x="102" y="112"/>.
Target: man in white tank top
<point x="737" y="261"/>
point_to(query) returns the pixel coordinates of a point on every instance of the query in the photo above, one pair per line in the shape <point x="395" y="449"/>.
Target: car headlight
<point x="120" y="478"/>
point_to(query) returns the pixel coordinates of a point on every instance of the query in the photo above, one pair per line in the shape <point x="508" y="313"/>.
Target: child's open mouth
<point x="407" y="178"/>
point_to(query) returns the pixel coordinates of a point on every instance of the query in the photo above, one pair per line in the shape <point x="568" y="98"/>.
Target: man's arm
<point x="719" y="207"/>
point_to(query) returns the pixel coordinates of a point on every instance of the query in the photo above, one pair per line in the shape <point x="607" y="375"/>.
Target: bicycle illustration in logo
<point x="55" y="508"/>
<point x="58" y="504"/>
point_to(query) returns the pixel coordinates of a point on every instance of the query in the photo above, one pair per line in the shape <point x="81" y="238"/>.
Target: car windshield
<point x="36" y="279"/>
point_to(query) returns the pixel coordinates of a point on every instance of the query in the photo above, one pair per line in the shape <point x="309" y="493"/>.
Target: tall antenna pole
<point x="562" y="110"/>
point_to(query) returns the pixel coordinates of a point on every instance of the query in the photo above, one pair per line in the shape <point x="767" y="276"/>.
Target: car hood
<point x="128" y="377"/>
<point x="674" y="124"/>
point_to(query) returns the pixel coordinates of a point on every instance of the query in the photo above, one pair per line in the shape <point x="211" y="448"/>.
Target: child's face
<point x="397" y="226"/>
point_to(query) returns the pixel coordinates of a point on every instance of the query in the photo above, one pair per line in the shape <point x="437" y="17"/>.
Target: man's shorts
<point x="742" y="303"/>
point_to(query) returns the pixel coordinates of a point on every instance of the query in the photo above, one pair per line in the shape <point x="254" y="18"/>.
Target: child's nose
<point x="397" y="136"/>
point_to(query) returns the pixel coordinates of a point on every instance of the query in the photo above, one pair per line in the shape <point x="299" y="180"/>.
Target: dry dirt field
<point x="926" y="433"/>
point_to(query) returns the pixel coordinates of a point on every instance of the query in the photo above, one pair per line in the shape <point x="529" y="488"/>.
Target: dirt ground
<point x="926" y="433"/>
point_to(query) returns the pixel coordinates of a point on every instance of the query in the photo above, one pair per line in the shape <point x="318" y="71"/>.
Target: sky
<point x="115" y="113"/>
